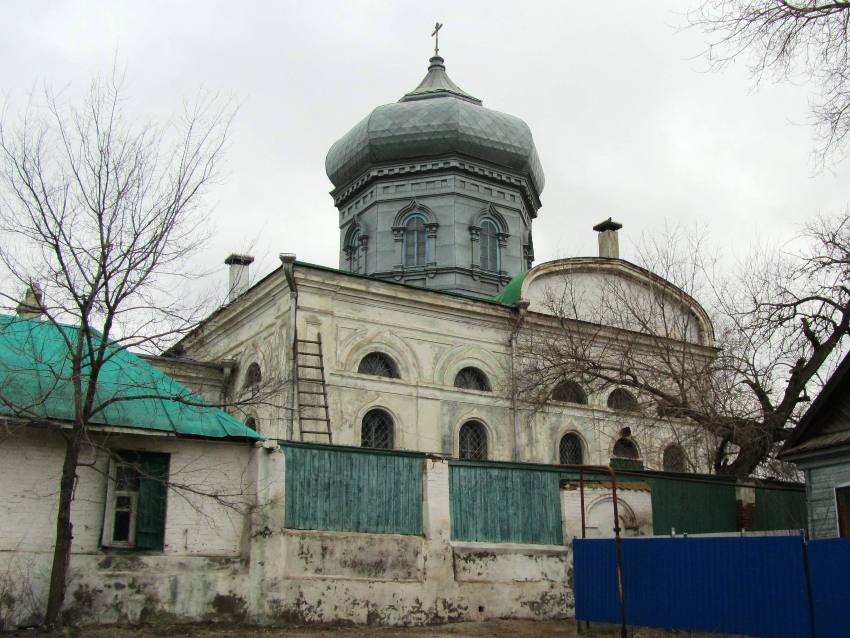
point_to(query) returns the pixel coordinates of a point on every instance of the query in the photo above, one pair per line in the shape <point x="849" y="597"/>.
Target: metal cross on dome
<point x="436" y="36"/>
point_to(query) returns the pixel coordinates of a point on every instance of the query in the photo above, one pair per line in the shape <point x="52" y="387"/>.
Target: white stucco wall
<point x="431" y="337"/>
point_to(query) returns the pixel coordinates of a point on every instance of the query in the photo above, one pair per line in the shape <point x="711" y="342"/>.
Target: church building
<point x="412" y="343"/>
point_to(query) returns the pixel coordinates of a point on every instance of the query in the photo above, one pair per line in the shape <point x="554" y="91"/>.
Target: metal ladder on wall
<point x="312" y="391"/>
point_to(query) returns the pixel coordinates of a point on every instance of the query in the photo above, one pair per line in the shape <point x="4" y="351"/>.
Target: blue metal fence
<point x="755" y="586"/>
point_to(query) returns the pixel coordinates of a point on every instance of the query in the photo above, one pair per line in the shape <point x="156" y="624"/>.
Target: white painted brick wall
<point x="196" y="524"/>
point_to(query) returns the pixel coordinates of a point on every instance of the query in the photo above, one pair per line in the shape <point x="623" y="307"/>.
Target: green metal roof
<point x="35" y="383"/>
<point x="511" y="293"/>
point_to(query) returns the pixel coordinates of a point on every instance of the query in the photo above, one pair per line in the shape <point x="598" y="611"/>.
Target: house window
<point x="569" y="392"/>
<point x="135" y="501"/>
<point x="251" y="422"/>
<point x="570" y="451"/>
<point x="355" y="259"/>
<point x="489" y="246"/>
<point x="472" y="441"/>
<point x="842" y="510"/>
<point x="415" y="241"/>
<point x="623" y="400"/>
<point x="377" y="430"/>
<point x="472" y="379"/>
<point x="674" y="459"/>
<point x="379" y="365"/>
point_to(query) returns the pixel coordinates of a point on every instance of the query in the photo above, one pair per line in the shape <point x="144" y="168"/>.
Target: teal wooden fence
<point x="504" y="503"/>
<point x="352" y="489"/>
<point x="780" y="508"/>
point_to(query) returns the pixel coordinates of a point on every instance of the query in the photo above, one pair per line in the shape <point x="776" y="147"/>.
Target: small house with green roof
<point x="162" y="485"/>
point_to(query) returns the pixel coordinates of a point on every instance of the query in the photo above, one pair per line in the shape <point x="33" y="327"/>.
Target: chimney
<point x="238" y="274"/>
<point x="31" y="307"/>
<point x="609" y="246"/>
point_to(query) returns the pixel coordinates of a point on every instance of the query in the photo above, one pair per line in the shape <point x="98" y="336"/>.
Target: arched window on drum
<point x="489" y="246"/>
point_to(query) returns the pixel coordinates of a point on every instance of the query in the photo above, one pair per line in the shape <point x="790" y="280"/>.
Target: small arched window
<point x="624" y="400"/>
<point x="472" y="379"/>
<point x="674" y="459"/>
<point x="253" y="377"/>
<point x="355" y="260"/>
<point x="489" y="246"/>
<point x="415" y="241"/>
<point x="472" y="441"/>
<point x="625" y="448"/>
<point x="570" y="392"/>
<point x="379" y="365"/>
<point x="571" y="451"/>
<point x="251" y="422"/>
<point x="377" y="430"/>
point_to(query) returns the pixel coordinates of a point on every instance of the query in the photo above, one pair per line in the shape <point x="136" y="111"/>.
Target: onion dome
<point x="437" y="118"/>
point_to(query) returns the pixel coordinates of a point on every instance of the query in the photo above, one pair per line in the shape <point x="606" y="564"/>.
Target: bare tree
<point x="97" y="219"/>
<point x="736" y="383"/>
<point x="807" y="39"/>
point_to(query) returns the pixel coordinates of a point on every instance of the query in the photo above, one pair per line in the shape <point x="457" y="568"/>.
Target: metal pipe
<point x="617" y="539"/>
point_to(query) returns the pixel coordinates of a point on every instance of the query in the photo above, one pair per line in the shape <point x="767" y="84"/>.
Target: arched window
<point x="379" y="365"/>
<point x="674" y="459"/>
<point x="355" y="260"/>
<point x="571" y="451"/>
<point x="415" y="241"/>
<point x="570" y="392"/>
<point x="253" y="377"/>
<point x="625" y="448"/>
<point x="472" y="379"/>
<point x="377" y="430"/>
<point x="251" y="422"/>
<point x="472" y="441"/>
<point x="621" y="399"/>
<point x="489" y="246"/>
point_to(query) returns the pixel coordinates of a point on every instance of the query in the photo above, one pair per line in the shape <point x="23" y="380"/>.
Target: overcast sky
<point x="626" y="119"/>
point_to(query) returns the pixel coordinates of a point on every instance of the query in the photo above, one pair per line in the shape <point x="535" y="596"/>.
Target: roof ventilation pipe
<point x="609" y="245"/>
<point x="239" y="270"/>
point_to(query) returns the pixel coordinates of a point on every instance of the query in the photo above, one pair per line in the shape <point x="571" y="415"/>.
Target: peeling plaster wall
<point x="249" y="567"/>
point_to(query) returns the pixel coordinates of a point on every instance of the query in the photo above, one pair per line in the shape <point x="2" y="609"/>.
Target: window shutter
<point x="150" y="519"/>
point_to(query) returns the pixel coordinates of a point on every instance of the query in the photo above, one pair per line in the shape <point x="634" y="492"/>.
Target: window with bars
<point x="355" y="260"/>
<point x="570" y="392"/>
<point x="415" y="241"/>
<point x="253" y="377"/>
<point x="472" y="443"/>
<point x="623" y="400"/>
<point x="472" y="379"/>
<point x="489" y="246"/>
<point x="674" y="459"/>
<point x="378" y="364"/>
<point x="134" y="516"/>
<point x="570" y="451"/>
<point x="377" y="430"/>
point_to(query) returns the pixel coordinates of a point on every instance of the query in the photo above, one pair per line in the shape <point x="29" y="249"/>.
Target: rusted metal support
<point x="618" y="541"/>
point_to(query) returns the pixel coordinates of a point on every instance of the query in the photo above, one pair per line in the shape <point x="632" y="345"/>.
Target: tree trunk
<point x="64" y="532"/>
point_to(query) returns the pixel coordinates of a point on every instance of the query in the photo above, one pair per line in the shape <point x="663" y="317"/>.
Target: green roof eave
<point x="510" y="295"/>
<point x="35" y="384"/>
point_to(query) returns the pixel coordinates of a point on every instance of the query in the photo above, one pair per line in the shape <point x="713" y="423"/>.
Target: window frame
<point x="478" y="424"/>
<point x="835" y="490"/>
<point x="355" y="259"/>
<point x="419" y="233"/>
<point x="683" y="458"/>
<point x="112" y="495"/>
<point x="581" y="447"/>
<point x="572" y="383"/>
<point x="389" y="422"/>
<point x="485" y="380"/>
<point x="393" y="365"/>
<point x="149" y="499"/>
<point x="493" y="252"/>
<point x="633" y="407"/>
